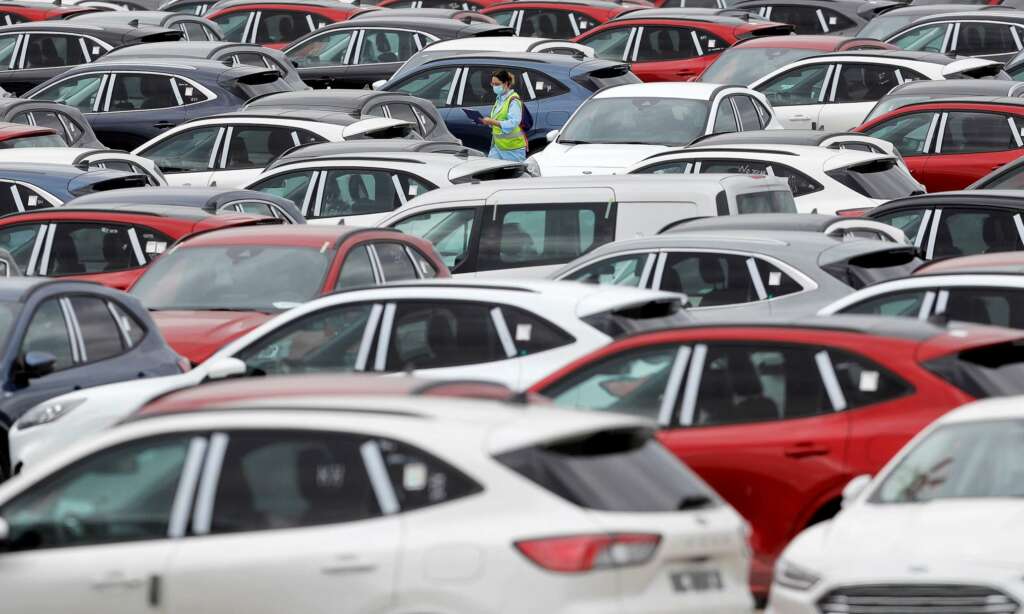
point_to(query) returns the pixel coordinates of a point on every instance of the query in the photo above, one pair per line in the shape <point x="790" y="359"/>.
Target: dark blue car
<point x="551" y="85"/>
<point x="30" y="186"/>
<point x="127" y="102"/>
<point x="61" y="336"/>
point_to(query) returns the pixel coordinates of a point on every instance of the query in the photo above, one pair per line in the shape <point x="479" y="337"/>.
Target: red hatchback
<point x="673" y="44"/>
<point x="563" y="19"/>
<point x="278" y="23"/>
<point x="779" y="418"/>
<point x="949" y="144"/>
<point x="108" y="245"/>
<point x="218" y="286"/>
<point x="24" y="135"/>
<point x="20" y="12"/>
<point x="465" y="5"/>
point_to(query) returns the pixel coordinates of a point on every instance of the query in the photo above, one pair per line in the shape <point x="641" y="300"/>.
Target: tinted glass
<point x="185" y="152"/>
<point x="292" y="186"/>
<point x="133" y="92"/>
<point x="909" y="133"/>
<point x="882" y="180"/>
<point x="925" y="38"/>
<point x="131" y="327"/>
<point x="84" y="248"/>
<point x="864" y="382"/>
<point x="864" y="82"/>
<point x="797" y="86"/>
<point x="995" y="306"/>
<point x="99" y="330"/>
<point x="906" y="304"/>
<point x="433" y="85"/>
<point x="750" y="119"/>
<point x="803" y="18"/>
<point x="609" y="44"/>
<point x="48" y="332"/>
<point x="621" y="271"/>
<point x="78" y="92"/>
<point x="394" y="262"/>
<point x="357" y="270"/>
<point x="770" y="201"/>
<point x="357" y="192"/>
<point x="741" y="66"/>
<point x="547" y="235"/>
<point x="530" y="334"/>
<point x="964" y="233"/>
<point x="380" y="46"/>
<point x="449" y="230"/>
<point x="425" y="267"/>
<point x="978" y="38"/>
<point x="51" y="50"/>
<point x="977" y="132"/>
<point x="256" y="146"/>
<point x="548" y="23"/>
<point x="326" y="50"/>
<point x="285" y="26"/>
<point x="644" y="121"/>
<point x="708" y="279"/>
<point x="725" y="119"/>
<point x="442" y="334"/>
<point x="421" y="480"/>
<point x="659" y="44"/>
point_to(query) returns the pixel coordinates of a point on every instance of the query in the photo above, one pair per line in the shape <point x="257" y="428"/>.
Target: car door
<point x="438" y="85"/>
<point x="970" y="145"/>
<point x="798" y="94"/>
<point x="717" y="285"/>
<point x="83" y="91"/>
<point x="48" y="331"/>
<point x="553" y="23"/>
<point x="248" y="149"/>
<point x="187" y="157"/>
<point x="932" y="37"/>
<point x="362" y="196"/>
<point x="455" y="233"/>
<point x="805" y="19"/>
<point x="667" y="53"/>
<point x="476" y="93"/>
<point x="379" y="52"/>
<point x="323" y="61"/>
<point x="99" y="532"/>
<point x="277" y="28"/>
<point x="976" y="230"/>
<point x="616" y="43"/>
<point x="997" y="41"/>
<point x="295" y="508"/>
<point x="139" y="106"/>
<point x="107" y="253"/>
<point x="913" y="135"/>
<point x="855" y="89"/>
<point x="633" y="269"/>
<point x="915" y="222"/>
<point x="297" y="186"/>
<point x="44" y="55"/>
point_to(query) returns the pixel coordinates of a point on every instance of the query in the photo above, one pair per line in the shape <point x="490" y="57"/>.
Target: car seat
<point x="286" y="31"/>
<point x="984" y="132"/>
<point x="384" y="51"/>
<point x="334" y="489"/>
<point x="65" y="259"/>
<point x="278" y="142"/>
<point x="754" y="405"/>
<point x="441" y="341"/>
<point x="238" y="153"/>
<point x="663" y="46"/>
<point x="156" y="93"/>
<point x="853" y="87"/>
<point x="944" y="245"/>
<point x="998" y="235"/>
<point x="120" y="99"/>
<point x="715" y="400"/>
<point x="516" y="244"/>
<point x="115" y="253"/>
<point x="963" y="306"/>
<point x="972" y="39"/>
<point x="361" y="202"/>
<point x="236" y="506"/>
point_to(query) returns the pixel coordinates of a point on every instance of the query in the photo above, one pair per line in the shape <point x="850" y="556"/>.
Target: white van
<point x="528" y="227"/>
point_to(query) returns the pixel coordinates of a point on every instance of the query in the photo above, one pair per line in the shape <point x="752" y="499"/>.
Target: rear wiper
<point x="690" y="502"/>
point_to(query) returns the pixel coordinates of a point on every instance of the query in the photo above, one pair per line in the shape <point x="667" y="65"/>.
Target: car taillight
<point x="580" y="553"/>
<point x="853" y="212"/>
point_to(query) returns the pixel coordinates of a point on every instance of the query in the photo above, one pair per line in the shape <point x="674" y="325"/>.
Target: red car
<point x="20" y="12"/>
<point x="563" y="19"/>
<point x="24" y="135"/>
<point x="673" y="44"/>
<point x="278" y="23"/>
<point x="108" y="245"/>
<point x="950" y="144"/>
<point x="779" y="418"/>
<point x="466" y="5"/>
<point x="215" y="287"/>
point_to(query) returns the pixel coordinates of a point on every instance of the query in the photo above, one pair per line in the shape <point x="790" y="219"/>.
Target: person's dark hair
<point x="504" y="76"/>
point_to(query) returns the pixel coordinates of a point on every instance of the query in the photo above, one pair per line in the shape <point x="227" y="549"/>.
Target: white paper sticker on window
<point x="868" y="381"/>
<point x="774" y="278"/>
<point x="414" y="476"/>
<point x="95" y="50"/>
<point x="414" y="189"/>
<point x="540" y="85"/>
<point x="711" y="43"/>
<point x="155" y="247"/>
<point x="33" y="200"/>
<point x="524" y="332"/>
<point x="189" y="91"/>
<point x="832" y="21"/>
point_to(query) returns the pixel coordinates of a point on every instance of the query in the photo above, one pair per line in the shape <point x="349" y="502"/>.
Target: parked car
<point x="620" y="126"/>
<point x="771" y="272"/>
<point x="88" y="158"/>
<point x="843" y="17"/>
<point x="21" y="136"/>
<point x="45" y="355"/>
<point x="673" y="44"/>
<point x="489" y="468"/>
<point x="1009" y="176"/>
<point x="190" y="7"/>
<point x="369" y="147"/>
<point x="883" y="26"/>
<point x="364" y="188"/>
<point x="564" y="19"/>
<point x="232" y="149"/>
<point x="823" y="180"/>
<point x="947" y="224"/>
<point x="950" y="143"/>
<point x="913" y="92"/>
<point x="954" y="473"/>
<point x="128" y="102"/>
<point x="509" y="44"/>
<point x="551" y="86"/>
<point x="14" y="12"/>
<point x="816" y="138"/>
<point x="528" y="227"/>
<point x="276" y="24"/>
<point x="66" y="120"/>
<point x="984" y="289"/>
<point x="845" y="228"/>
<point x="778" y="418"/>
<point x="194" y="28"/>
<point x="456" y="13"/>
<point x="110" y="243"/>
<point x="379" y="46"/>
<point x="213" y="287"/>
<point x="750" y="59"/>
<point x="835" y="91"/>
<point x="466" y="5"/>
<point x="423" y="117"/>
<point x="222" y="51"/>
<point x="984" y="34"/>
<point x="26" y="186"/>
<point x="43" y="50"/>
<point x="1015" y="67"/>
<point x="211" y="200"/>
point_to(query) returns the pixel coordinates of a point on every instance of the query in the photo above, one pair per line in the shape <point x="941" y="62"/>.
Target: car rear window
<point x="773" y="201"/>
<point x="607" y="77"/>
<point x="871" y="268"/>
<point x="648" y="316"/>
<point x="989" y="371"/>
<point x="879" y="179"/>
<point x="623" y="470"/>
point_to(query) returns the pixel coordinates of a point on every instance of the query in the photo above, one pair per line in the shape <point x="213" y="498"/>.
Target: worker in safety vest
<point x="507" y="139"/>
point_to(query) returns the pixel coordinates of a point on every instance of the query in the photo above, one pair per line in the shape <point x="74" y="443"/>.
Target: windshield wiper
<point x="690" y="502"/>
<point x="565" y="142"/>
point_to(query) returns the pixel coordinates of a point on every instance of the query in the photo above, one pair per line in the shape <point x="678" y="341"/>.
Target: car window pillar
<point x="375" y="266"/>
<point x="217" y="142"/>
<point x="355" y="47"/>
<point x="673" y="389"/>
<point x="202" y="513"/>
<point x="384" y="338"/>
<point x="693" y="376"/>
<point x="933" y="233"/>
<point x="105" y="92"/>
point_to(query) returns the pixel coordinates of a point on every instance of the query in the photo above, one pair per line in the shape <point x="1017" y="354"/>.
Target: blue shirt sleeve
<point x="515" y="117"/>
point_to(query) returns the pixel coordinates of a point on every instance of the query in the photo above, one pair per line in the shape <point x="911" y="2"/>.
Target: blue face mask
<point x="498" y="89"/>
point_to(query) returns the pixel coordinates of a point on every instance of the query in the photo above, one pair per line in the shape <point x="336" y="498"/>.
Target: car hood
<point x="198" y="334"/>
<point x="598" y="159"/>
<point x="890" y="539"/>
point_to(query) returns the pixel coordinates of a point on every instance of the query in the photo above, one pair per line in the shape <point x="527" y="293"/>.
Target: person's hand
<point x="488" y="121"/>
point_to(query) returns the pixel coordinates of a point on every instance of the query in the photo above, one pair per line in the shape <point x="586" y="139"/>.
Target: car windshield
<point x="881" y="179"/>
<point x="639" y="121"/>
<point x="36" y="140"/>
<point x="889" y="103"/>
<point x="234" y="278"/>
<point x="743" y="66"/>
<point x="960" y="461"/>
<point x="884" y="26"/>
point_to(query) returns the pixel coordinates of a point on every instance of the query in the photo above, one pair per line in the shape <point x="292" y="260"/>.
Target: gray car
<point x="729" y="274"/>
<point x="913" y="92"/>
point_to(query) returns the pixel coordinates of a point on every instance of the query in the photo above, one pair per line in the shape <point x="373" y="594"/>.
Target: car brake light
<point x="853" y="212"/>
<point x="581" y="553"/>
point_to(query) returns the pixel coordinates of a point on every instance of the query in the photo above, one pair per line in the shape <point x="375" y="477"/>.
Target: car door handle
<point x="347" y="564"/>
<point x="116" y="579"/>
<point x="806" y="449"/>
<point x="800" y="118"/>
<point x="164" y="125"/>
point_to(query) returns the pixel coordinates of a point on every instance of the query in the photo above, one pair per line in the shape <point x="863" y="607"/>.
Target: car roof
<point x="601" y="4"/>
<point x="824" y="42"/>
<point x="310" y="114"/>
<point x="428" y="161"/>
<point x="924" y="9"/>
<point x="1007" y="199"/>
<point x="365" y="146"/>
<point x="47" y="170"/>
<point x="966" y="100"/>
<point x="200" y="66"/>
<point x="1001" y="262"/>
<point x="1011" y="15"/>
<point x="556" y="59"/>
<point x="887" y="54"/>
<point x="183" y="49"/>
<point x="801" y="222"/>
<point x="331" y="4"/>
<point x="771" y="137"/>
<point x="107" y="31"/>
<point x="688" y="90"/>
<point x="985" y="410"/>
<point x="298" y="235"/>
<point x="432" y="25"/>
<point x="168" y="211"/>
<point x="126" y="17"/>
<point x="731" y="17"/>
<point x="832" y="157"/>
<point x="341" y="100"/>
<point x="181" y="197"/>
<point x="956" y="87"/>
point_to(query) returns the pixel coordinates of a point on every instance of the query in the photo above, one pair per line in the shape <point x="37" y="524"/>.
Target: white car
<point x="619" y="126"/>
<point x="361" y="189"/>
<point x="232" y="149"/>
<point x="823" y="180"/>
<point x="92" y="158"/>
<point x="937" y="531"/>
<point x="349" y="504"/>
<point x="512" y="333"/>
<point x="836" y="91"/>
<point x="512" y="44"/>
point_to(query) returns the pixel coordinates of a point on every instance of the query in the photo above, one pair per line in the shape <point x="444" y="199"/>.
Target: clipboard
<point x="473" y="115"/>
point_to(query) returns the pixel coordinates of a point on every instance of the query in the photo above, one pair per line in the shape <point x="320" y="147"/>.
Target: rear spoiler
<point x="874" y="8"/>
<point x="377" y="128"/>
<point x="249" y="75"/>
<point x="971" y="68"/>
<point x="486" y="169"/>
<point x="101" y="181"/>
<point x="860" y="263"/>
<point x="767" y="30"/>
<point x="495" y="31"/>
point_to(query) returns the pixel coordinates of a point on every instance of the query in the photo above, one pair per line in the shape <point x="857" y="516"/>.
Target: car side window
<point x="725" y="118"/>
<point x="395" y="263"/>
<point x="52" y="50"/>
<point x="284" y="26"/>
<point x="10" y="19"/>
<point x="540" y="86"/>
<point x="248" y="59"/>
<point x="632" y="382"/>
<point x="257" y="146"/>
<point x="834" y="20"/>
<point x="48" y="119"/>
<point x="610" y="44"/>
<point x="992" y="305"/>
<point x="357" y="192"/>
<point x="535" y="235"/>
<point x="121" y="494"/>
<point x="774" y="280"/>
<point x="660" y="44"/>
<point x="863" y="382"/>
<point x="100" y="332"/>
<point x="864" y="82"/>
<point x="801" y="85"/>
<point x="551" y="23"/>
<point x="233" y="25"/>
<point x="799" y="183"/>
<point x="432" y="85"/>
<point x="291" y="479"/>
<point x="424" y="265"/>
<point x="909" y="133"/>
<point x="383" y="46"/>
<point x="980" y="38"/>
<point x="907" y="220"/>
<point x="478" y="92"/>
<point x="133" y="330"/>
<point x="431" y="335"/>
<point x="1013" y="179"/>
<point x="531" y="334"/>
<point x="405" y="112"/>
<point x="421" y="480"/>
<point x="743" y="167"/>
<point x="188" y="151"/>
<point x="709" y="43"/>
<point x="749" y="118"/>
<point x="72" y="129"/>
<point x="328" y="49"/>
<point x="619" y="271"/>
<point x="293" y="186"/>
<point x="975" y="231"/>
<point x="709" y="279"/>
<point x="923" y="38"/>
<point x="48" y="332"/>
<point x="139" y="92"/>
<point x="426" y="117"/>
<point x="803" y="18"/>
<point x="19" y="239"/>
<point x="194" y="31"/>
<point x="905" y="304"/>
<point x="356" y="270"/>
<point x="79" y="92"/>
<point x="81" y="248"/>
<point x="973" y="132"/>
<point x="325" y="341"/>
<point x="450" y="230"/>
<point x="15" y="198"/>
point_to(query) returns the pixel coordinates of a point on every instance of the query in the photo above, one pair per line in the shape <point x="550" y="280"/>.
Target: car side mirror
<point x="553" y="135"/>
<point x="378" y="84"/>
<point x="854" y="488"/>
<point x="225" y="368"/>
<point x="36" y="364"/>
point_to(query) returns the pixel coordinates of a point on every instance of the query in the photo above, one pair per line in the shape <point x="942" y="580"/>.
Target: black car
<point x="222" y="51"/>
<point x="913" y="92"/>
<point x="30" y="186"/>
<point x="67" y="121"/>
<point x="194" y="28"/>
<point x="843" y="17"/>
<point x="124" y="5"/>
<point x="209" y="199"/>
<point x="883" y="26"/>
<point x="359" y="52"/>
<point x="35" y="52"/>
<point x="317" y="151"/>
<point x="989" y="34"/>
<point x="363" y="104"/>
<point x="459" y="14"/>
<point x="128" y="102"/>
